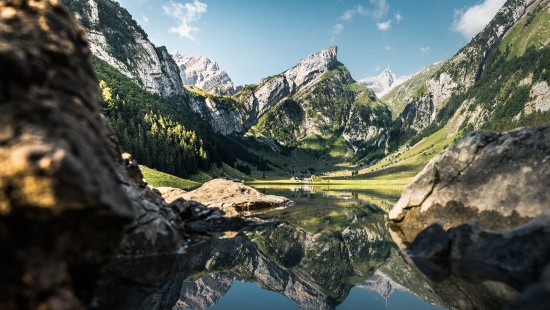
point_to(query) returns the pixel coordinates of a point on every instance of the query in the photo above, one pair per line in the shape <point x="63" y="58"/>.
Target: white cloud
<point x="145" y="20"/>
<point x="186" y="14"/>
<point x="381" y="8"/>
<point x="357" y="10"/>
<point x="337" y="29"/>
<point x="387" y="48"/>
<point x="424" y="50"/>
<point x="383" y="26"/>
<point x="471" y="21"/>
<point x="376" y="10"/>
<point x="398" y="17"/>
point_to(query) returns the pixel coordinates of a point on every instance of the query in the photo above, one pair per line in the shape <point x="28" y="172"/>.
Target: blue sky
<point x="257" y="38"/>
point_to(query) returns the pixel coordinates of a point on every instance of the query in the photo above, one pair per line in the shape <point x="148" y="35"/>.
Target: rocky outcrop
<point x="169" y="82"/>
<point x="418" y="114"/>
<point x="500" y="181"/>
<point x="367" y="126"/>
<point x="540" y="93"/>
<point x="272" y="90"/>
<point x="170" y="194"/>
<point x="205" y="74"/>
<point x="311" y="67"/>
<point x="498" y="178"/>
<point x="233" y="197"/>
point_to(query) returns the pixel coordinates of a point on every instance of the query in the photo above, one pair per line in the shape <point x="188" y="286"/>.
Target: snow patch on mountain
<point x="383" y="83"/>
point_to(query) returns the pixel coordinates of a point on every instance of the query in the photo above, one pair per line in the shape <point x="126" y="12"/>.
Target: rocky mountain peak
<point x="311" y="67"/>
<point x="204" y="73"/>
<point x="326" y="57"/>
<point x="383" y="83"/>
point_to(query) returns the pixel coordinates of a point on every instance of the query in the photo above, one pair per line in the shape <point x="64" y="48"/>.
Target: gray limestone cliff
<point x="117" y="39"/>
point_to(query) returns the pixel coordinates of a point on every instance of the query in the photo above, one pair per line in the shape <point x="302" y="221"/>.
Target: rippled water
<point x="332" y="251"/>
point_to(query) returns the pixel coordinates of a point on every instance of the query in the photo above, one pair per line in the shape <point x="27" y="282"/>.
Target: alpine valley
<point x="175" y="113"/>
<point x="134" y="177"/>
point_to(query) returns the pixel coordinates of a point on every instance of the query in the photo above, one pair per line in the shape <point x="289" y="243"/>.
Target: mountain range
<point x="499" y="81"/>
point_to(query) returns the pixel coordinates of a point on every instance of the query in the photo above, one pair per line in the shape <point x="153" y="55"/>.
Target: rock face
<point x="204" y="74"/>
<point x="69" y="199"/>
<point x="232" y="197"/>
<point x="225" y="115"/>
<point x="500" y="180"/>
<point x="417" y="114"/>
<point x="383" y="83"/>
<point x="117" y="39"/>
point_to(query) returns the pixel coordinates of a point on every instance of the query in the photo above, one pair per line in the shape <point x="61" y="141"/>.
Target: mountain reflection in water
<point x="331" y="243"/>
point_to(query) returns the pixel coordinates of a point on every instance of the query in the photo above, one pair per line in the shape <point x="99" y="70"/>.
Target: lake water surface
<point x="331" y="251"/>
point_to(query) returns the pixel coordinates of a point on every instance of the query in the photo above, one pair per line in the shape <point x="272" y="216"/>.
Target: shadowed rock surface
<point x="63" y="205"/>
<point x="477" y="268"/>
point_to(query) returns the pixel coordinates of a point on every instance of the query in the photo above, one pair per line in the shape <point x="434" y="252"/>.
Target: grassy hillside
<point x="160" y="179"/>
<point x="533" y="30"/>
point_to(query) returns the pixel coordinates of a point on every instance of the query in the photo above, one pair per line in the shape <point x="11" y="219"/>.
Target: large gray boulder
<point x="500" y="179"/>
<point x="479" y="215"/>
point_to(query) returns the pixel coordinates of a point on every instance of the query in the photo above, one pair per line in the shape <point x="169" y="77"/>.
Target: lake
<point x="331" y="250"/>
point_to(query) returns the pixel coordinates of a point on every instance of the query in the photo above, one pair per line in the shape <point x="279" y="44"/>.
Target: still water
<point x="331" y="251"/>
